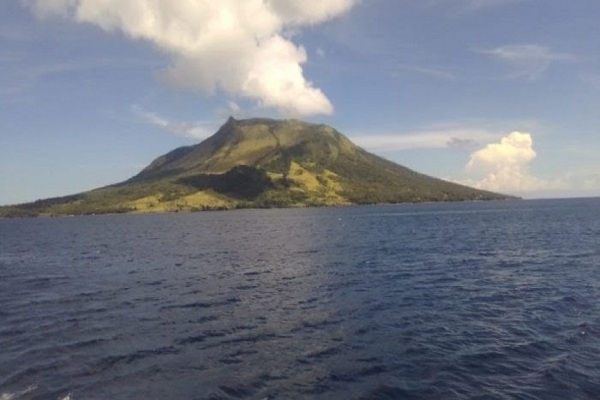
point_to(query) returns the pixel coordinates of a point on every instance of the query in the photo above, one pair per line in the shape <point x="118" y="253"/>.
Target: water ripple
<point x="452" y="301"/>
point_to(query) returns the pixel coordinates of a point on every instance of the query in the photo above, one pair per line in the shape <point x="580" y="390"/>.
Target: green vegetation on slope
<point x="260" y="163"/>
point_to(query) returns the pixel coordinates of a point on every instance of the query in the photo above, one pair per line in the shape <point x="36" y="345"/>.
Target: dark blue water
<point x="432" y="301"/>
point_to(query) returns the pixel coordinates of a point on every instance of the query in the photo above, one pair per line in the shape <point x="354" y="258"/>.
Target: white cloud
<point x="527" y="61"/>
<point x="309" y="11"/>
<point x="514" y="149"/>
<point x="234" y="108"/>
<point x="240" y="47"/>
<point x="190" y="130"/>
<point x="435" y="139"/>
<point x="503" y="166"/>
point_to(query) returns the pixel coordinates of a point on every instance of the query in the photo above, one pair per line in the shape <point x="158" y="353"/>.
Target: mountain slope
<point x="260" y="163"/>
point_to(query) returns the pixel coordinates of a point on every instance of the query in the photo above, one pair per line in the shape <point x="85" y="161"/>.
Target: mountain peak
<point x="262" y="162"/>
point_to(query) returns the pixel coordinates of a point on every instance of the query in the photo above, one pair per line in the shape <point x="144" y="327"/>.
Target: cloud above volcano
<point x="241" y="48"/>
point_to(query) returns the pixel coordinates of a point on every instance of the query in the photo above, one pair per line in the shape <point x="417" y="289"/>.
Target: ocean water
<point x="496" y="300"/>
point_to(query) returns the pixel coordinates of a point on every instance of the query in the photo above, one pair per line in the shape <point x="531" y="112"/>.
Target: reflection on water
<point x="413" y="301"/>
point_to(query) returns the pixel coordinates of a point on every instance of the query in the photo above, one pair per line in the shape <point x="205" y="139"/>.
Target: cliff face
<point x="260" y="163"/>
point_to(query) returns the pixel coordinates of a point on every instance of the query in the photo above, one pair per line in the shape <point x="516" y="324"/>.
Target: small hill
<point x="260" y="163"/>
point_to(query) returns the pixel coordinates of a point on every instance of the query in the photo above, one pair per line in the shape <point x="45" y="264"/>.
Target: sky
<point x="501" y="95"/>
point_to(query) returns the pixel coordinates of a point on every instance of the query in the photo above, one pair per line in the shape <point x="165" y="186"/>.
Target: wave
<point x="28" y="390"/>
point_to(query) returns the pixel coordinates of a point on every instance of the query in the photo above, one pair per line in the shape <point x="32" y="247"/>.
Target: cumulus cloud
<point x="503" y="166"/>
<point x="190" y="130"/>
<point x="309" y="11"/>
<point x="242" y="48"/>
<point x="527" y="61"/>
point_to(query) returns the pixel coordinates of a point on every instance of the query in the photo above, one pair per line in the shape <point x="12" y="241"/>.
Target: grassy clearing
<point x="321" y="188"/>
<point x="202" y="200"/>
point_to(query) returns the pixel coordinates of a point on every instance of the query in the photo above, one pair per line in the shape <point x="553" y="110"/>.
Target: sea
<point x="473" y="300"/>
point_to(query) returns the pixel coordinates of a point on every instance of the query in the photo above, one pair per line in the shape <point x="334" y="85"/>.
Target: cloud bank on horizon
<point x="495" y="164"/>
<point x="242" y="48"/>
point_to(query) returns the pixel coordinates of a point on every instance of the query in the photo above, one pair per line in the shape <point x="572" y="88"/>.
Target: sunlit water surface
<point x="434" y="301"/>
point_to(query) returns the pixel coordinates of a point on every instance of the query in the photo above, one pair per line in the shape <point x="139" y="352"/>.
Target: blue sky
<point x="498" y="94"/>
